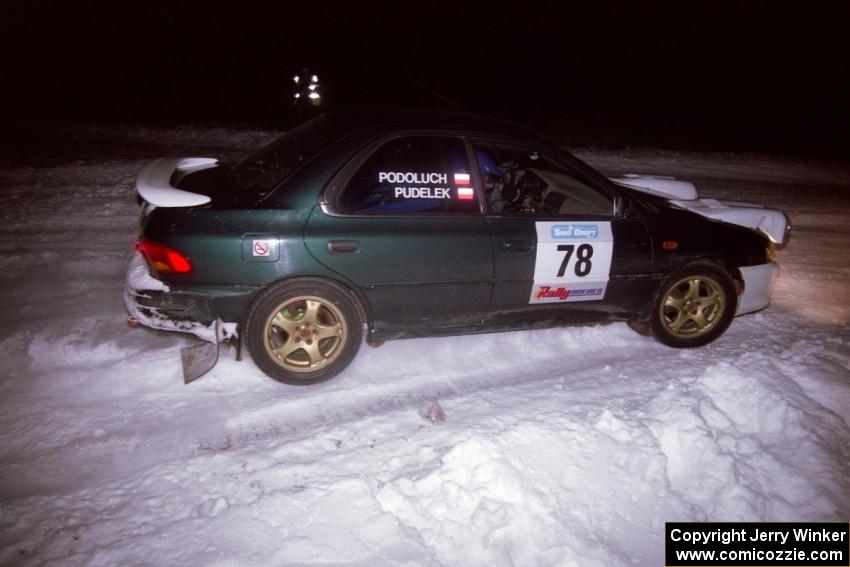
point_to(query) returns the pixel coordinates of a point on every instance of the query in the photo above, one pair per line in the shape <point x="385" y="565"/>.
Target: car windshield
<point x="266" y="168"/>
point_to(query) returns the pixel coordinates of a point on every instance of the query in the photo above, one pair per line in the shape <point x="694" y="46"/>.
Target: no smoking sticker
<point x="261" y="248"/>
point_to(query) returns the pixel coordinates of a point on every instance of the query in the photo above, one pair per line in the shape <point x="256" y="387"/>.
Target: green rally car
<point x="399" y="224"/>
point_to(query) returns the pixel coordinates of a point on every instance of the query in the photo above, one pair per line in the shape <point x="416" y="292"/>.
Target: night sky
<point x="758" y="75"/>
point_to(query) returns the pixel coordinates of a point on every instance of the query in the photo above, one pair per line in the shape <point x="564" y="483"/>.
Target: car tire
<point x="304" y="331"/>
<point x="695" y="306"/>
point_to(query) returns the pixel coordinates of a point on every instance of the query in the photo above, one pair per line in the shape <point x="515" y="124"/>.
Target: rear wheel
<point x="696" y="305"/>
<point x="303" y="332"/>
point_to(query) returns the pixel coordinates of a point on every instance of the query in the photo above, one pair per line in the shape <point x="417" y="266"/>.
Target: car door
<point x="559" y="251"/>
<point x="405" y="225"/>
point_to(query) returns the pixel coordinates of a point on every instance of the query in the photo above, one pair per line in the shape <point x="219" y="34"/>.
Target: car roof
<point x="403" y="119"/>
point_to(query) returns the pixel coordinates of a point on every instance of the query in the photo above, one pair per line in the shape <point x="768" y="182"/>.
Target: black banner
<point x="766" y="544"/>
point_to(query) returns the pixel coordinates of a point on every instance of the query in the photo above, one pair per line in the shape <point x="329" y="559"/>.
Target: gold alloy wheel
<point x="692" y="307"/>
<point x="305" y="333"/>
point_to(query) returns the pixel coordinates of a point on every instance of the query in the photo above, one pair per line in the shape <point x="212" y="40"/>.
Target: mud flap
<point x="200" y="359"/>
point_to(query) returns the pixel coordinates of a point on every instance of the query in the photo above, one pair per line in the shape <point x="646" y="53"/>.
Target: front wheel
<point x="695" y="306"/>
<point x="303" y="332"/>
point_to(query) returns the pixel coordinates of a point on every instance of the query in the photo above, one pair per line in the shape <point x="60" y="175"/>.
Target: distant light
<point x="314" y="95"/>
<point x="315" y="78"/>
<point x="297" y="95"/>
<point x="296" y="78"/>
<point x="312" y="87"/>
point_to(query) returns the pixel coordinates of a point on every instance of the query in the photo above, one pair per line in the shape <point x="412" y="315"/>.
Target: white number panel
<point x="573" y="261"/>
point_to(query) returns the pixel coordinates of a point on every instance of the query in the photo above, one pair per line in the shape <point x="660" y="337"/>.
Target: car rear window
<point x="266" y="168"/>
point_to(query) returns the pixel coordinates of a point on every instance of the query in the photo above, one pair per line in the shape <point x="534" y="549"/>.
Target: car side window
<point x="522" y="181"/>
<point x="412" y="175"/>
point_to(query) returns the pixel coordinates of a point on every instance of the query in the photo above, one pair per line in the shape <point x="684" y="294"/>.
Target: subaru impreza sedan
<point x="400" y="224"/>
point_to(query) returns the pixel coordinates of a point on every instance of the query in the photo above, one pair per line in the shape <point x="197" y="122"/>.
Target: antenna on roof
<point x="436" y="94"/>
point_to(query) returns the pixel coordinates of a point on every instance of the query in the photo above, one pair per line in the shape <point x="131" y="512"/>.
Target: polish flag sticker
<point x="465" y="194"/>
<point x="461" y="179"/>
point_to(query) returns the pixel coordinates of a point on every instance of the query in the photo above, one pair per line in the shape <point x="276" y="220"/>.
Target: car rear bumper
<point x="187" y="309"/>
<point x="758" y="287"/>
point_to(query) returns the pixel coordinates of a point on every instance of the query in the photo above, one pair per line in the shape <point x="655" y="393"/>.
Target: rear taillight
<point x="162" y="259"/>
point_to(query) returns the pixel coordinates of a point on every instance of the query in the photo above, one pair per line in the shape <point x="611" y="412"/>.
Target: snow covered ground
<point x="558" y="447"/>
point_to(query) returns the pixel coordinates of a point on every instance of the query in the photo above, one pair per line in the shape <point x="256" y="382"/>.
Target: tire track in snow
<point x="232" y="421"/>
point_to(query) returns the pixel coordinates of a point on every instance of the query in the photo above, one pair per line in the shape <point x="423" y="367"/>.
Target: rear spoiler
<point x="153" y="183"/>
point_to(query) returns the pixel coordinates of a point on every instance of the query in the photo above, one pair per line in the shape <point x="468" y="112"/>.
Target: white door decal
<point x="573" y="261"/>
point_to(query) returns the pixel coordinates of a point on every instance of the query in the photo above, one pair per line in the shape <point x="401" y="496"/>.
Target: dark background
<point x="758" y="75"/>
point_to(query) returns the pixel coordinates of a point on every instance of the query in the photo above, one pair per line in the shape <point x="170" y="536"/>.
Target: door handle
<point x="517" y="245"/>
<point x="343" y="246"/>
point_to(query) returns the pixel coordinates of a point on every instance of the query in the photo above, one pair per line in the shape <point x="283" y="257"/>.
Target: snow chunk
<point x="138" y="277"/>
<point x="432" y="411"/>
<point x="533" y="495"/>
<point x="212" y="507"/>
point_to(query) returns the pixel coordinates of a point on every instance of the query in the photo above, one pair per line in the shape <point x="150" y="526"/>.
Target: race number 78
<point x="583" y="254"/>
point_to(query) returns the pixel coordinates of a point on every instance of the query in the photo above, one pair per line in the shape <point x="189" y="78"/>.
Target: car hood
<point x="772" y="223"/>
<point x="684" y="195"/>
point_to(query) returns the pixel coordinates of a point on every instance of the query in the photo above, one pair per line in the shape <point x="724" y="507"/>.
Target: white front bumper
<point x="758" y="286"/>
